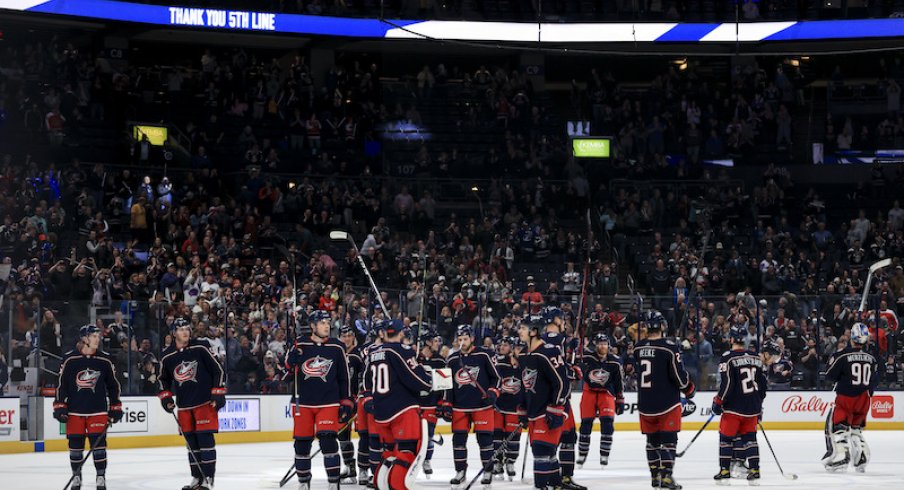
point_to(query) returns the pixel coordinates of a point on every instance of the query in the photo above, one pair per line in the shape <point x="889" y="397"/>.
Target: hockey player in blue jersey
<point x="87" y="401"/>
<point x="554" y="334"/>
<point x="189" y="371"/>
<point x="661" y="380"/>
<point x="398" y="383"/>
<point x="347" y="336"/>
<point x="474" y="392"/>
<point x="855" y="373"/>
<point x="507" y="408"/>
<point x="603" y="397"/>
<point x="779" y="370"/>
<point x="739" y="402"/>
<point x="430" y="359"/>
<point x="322" y="401"/>
<point x="370" y="447"/>
<point x="544" y="384"/>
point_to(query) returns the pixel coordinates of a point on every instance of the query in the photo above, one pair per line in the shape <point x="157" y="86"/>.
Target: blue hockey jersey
<point x="468" y="371"/>
<point x="509" y="384"/>
<point x="87" y="383"/>
<point x="191" y="373"/>
<point x="780" y="372"/>
<point x="661" y="376"/>
<point x="603" y="374"/>
<point x="742" y="383"/>
<point x="853" y="371"/>
<point x="431" y="364"/>
<point x="321" y="371"/>
<point x="397" y="381"/>
<point x="544" y="380"/>
<point x="355" y="370"/>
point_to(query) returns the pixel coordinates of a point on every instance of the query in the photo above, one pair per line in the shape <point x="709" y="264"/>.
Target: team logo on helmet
<point x="529" y="380"/>
<point x="87" y="379"/>
<point x="511" y="385"/>
<point x="317" y="367"/>
<point x="186" y="371"/>
<point x="467" y="375"/>
<point x="599" y="376"/>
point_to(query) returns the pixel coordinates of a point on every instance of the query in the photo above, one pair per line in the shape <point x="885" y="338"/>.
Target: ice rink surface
<point x="253" y="466"/>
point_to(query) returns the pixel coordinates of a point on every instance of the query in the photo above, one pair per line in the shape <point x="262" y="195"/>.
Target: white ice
<point x="253" y="466"/>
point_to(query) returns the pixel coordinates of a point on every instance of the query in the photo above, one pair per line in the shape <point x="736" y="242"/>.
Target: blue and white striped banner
<point x="513" y="32"/>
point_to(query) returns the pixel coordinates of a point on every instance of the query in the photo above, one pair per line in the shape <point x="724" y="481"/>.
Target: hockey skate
<point x="362" y="477"/>
<point x="304" y="485"/>
<point x="349" y="475"/>
<point x="582" y="458"/>
<point x="486" y="480"/>
<point x="498" y="471"/>
<point x="194" y="485"/>
<point x="76" y="482"/>
<point x="723" y="477"/>
<point x="101" y="482"/>
<point x="604" y="461"/>
<point x="738" y="468"/>
<point x="427" y="467"/>
<point x="207" y="484"/>
<point x="667" y="481"/>
<point x="753" y="478"/>
<point x="334" y="486"/>
<point x="459" y="479"/>
<point x="510" y="469"/>
<point x="568" y="483"/>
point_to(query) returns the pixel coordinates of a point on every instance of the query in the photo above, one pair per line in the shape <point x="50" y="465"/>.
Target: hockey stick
<point x="789" y="476"/>
<point x="710" y="419"/>
<point x="524" y="462"/>
<point x="288" y="476"/>
<point x="342" y="235"/>
<point x="495" y="455"/>
<point x="869" y="279"/>
<point x="78" y="471"/>
<point x="191" y="452"/>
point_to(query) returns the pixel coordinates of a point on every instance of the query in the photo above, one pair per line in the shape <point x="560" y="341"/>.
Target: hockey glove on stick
<point x="218" y="397"/>
<point x="166" y="399"/>
<point x="555" y="416"/>
<point x="346" y="410"/>
<point x="444" y="410"/>
<point x="717" y="406"/>
<point x="690" y="391"/>
<point x="115" y="413"/>
<point x="61" y="412"/>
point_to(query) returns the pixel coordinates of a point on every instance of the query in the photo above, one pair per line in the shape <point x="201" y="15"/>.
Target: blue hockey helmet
<point x="600" y="338"/>
<point x="550" y="313"/>
<point x="180" y="323"/>
<point x="87" y="329"/>
<point x="655" y="321"/>
<point x="737" y="334"/>
<point x="464" y="330"/>
<point x="318" y="316"/>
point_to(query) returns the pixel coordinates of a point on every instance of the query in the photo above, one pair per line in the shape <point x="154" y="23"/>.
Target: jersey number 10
<point x="380" y="378"/>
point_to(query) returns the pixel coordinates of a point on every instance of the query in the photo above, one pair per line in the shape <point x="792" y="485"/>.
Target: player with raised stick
<point x="87" y="401"/>
<point x="189" y="371"/>
<point x="739" y="402"/>
<point x="507" y="409"/>
<point x="472" y="399"/>
<point x="398" y="385"/>
<point x="544" y="384"/>
<point x="603" y="397"/>
<point x="855" y="373"/>
<point x="323" y="402"/>
<point x="429" y="358"/>
<point x="661" y="380"/>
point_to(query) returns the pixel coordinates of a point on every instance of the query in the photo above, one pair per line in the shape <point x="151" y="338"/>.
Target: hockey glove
<point x="166" y="399"/>
<point x="61" y="412"/>
<point x="444" y="410"/>
<point x="346" y="409"/>
<point x="690" y="391"/>
<point x="619" y="405"/>
<point x="577" y="373"/>
<point x="717" y="407"/>
<point x="522" y="417"/>
<point x="493" y="395"/>
<point x="369" y="405"/>
<point x="115" y="413"/>
<point x="555" y="416"/>
<point x="218" y="397"/>
<point x="293" y="358"/>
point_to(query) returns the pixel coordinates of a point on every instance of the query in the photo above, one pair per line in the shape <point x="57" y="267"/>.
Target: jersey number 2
<point x="646" y="369"/>
<point x="380" y="378"/>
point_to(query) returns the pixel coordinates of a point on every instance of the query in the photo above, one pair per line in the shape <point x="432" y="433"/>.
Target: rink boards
<point x="267" y="418"/>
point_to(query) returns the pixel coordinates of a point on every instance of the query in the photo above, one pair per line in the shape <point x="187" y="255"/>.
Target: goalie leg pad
<point x="860" y="452"/>
<point x="839" y="452"/>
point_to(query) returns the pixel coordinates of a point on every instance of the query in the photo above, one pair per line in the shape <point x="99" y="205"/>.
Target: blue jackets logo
<point x="529" y="380"/>
<point x="317" y="367"/>
<point x="87" y="379"/>
<point x="467" y="375"/>
<point x="600" y="376"/>
<point x="186" y="371"/>
<point x="511" y="385"/>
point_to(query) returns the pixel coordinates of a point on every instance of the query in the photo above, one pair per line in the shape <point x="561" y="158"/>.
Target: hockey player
<point x="507" y="409"/>
<point x="855" y="374"/>
<point x="779" y="370"/>
<point x="87" y="401"/>
<point x="398" y="384"/>
<point x="739" y="402"/>
<point x="474" y="392"/>
<point x="430" y="359"/>
<point x="554" y="334"/>
<point x="189" y="371"/>
<point x="603" y="397"/>
<point x="322" y="401"/>
<point x="661" y="380"/>
<point x="355" y="368"/>
<point x="370" y="446"/>
<point x="544" y="384"/>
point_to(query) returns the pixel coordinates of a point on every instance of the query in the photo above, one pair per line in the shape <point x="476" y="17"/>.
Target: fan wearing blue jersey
<point x="87" y="400"/>
<point x="739" y="402"/>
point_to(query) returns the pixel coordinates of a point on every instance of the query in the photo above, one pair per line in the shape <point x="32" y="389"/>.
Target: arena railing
<point x="250" y="341"/>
